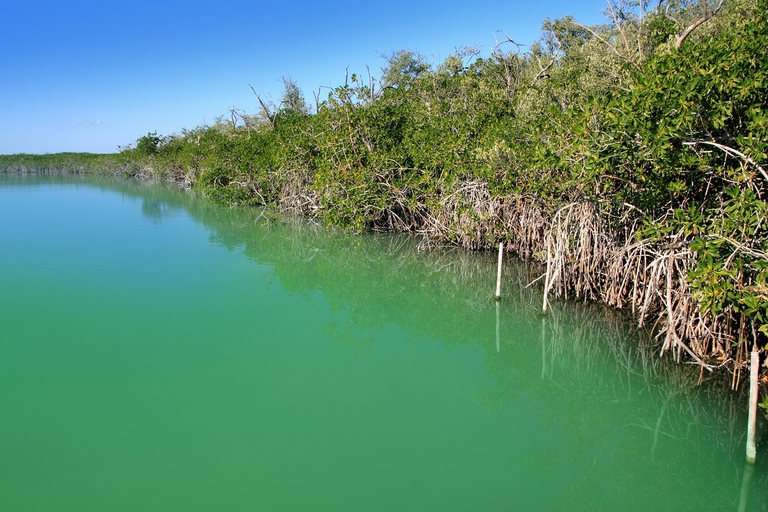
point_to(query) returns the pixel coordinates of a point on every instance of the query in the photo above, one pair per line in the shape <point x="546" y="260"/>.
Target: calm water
<point x="159" y="353"/>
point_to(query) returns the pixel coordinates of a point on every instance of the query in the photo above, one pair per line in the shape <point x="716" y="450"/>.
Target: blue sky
<point x="95" y="75"/>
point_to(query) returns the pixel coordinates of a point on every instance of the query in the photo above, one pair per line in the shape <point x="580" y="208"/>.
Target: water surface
<point x="160" y="353"/>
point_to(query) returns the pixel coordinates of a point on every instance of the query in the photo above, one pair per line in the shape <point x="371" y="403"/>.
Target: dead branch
<point x="617" y="22"/>
<point x="609" y="45"/>
<point x="707" y="16"/>
<point x="270" y="117"/>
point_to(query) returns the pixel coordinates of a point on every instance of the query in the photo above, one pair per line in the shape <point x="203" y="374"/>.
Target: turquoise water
<point x="161" y="353"/>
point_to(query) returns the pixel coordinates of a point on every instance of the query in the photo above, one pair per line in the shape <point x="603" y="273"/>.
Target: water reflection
<point x="618" y="405"/>
<point x="153" y="210"/>
<point x="620" y="427"/>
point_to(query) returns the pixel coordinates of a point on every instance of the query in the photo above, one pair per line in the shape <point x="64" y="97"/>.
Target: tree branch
<point x="617" y="52"/>
<point x="618" y="26"/>
<point x="270" y="117"/>
<point x="682" y="37"/>
<point x="732" y="152"/>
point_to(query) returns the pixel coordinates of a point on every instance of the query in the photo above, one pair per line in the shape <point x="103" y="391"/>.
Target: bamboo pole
<point x="498" y="274"/>
<point x="753" y="373"/>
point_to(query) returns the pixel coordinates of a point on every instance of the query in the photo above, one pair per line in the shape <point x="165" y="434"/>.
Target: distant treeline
<point x="68" y="162"/>
<point x="628" y="157"/>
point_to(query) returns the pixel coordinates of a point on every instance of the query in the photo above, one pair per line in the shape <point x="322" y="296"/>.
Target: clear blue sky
<point x="94" y="75"/>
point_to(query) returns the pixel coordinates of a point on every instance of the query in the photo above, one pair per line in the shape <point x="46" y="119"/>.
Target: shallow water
<point x="161" y="353"/>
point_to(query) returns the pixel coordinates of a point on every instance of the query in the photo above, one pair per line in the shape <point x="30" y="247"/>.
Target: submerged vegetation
<point x="628" y="158"/>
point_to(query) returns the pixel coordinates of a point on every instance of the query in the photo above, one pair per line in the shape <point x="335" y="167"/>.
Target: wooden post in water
<point x="754" y="365"/>
<point x="498" y="274"/>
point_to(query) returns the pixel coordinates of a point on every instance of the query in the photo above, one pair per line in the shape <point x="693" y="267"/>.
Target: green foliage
<point x="690" y="138"/>
<point x="148" y="144"/>
<point x="293" y="99"/>
<point x="659" y="137"/>
<point x="403" y="66"/>
<point x="730" y="245"/>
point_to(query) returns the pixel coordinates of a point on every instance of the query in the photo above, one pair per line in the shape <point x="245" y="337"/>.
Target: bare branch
<point x="511" y="75"/>
<point x="707" y="16"/>
<point x="270" y="117"/>
<point x="507" y="39"/>
<point x="732" y="152"/>
<point x="613" y="48"/>
<point x="317" y="98"/>
<point x="618" y="26"/>
<point x="542" y="70"/>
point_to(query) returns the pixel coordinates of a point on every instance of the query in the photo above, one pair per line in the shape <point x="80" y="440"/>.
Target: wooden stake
<point x="753" y="373"/>
<point x="498" y="274"/>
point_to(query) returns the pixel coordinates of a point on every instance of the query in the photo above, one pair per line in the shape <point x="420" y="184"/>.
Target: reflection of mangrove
<point x="153" y="210"/>
<point x="603" y="377"/>
<point x="589" y="357"/>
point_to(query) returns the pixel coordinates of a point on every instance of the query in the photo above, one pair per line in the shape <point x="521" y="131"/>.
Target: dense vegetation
<point x="628" y="157"/>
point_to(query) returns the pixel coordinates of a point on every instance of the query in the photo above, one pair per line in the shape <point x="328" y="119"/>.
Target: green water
<point x="159" y="353"/>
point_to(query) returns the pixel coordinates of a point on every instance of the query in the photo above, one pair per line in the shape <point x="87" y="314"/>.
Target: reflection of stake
<point x="498" y="274"/>
<point x="498" y="343"/>
<point x="543" y="346"/>
<point x="748" y="469"/>
<point x="753" y="368"/>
